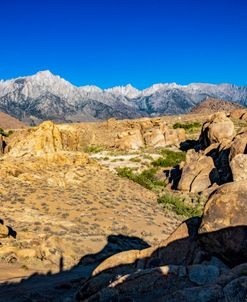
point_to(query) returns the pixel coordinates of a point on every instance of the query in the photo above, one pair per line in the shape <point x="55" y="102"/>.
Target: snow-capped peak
<point x="128" y="91"/>
<point x="90" y="89"/>
<point x="45" y="73"/>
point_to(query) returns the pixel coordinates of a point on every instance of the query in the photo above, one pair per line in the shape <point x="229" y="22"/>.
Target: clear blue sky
<point x="115" y="42"/>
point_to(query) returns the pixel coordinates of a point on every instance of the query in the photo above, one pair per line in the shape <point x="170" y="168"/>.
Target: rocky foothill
<point x="204" y="259"/>
<point x="60" y="207"/>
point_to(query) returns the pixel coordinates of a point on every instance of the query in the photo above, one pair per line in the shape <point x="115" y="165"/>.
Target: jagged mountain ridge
<point x="46" y="96"/>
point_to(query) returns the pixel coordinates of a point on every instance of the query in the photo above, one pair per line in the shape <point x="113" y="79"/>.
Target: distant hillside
<point x="211" y="105"/>
<point x="10" y="122"/>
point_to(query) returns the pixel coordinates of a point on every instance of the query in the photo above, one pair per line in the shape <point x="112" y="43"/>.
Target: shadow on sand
<point x="56" y="287"/>
<point x="227" y="244"/>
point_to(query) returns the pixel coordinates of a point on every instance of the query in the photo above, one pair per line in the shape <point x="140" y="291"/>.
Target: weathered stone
<point x="198" y="174"/>
<point x="236" y="290"/>
<point x="154" y="137"/>
<point x="4" y="231"/>
<point x="210" y="293"/>
<point x="239" y="144"/>
<point x="224" y="226"/>
<point x="44" y="139"/>
<point x="174" y="136"/>
<point x="203" y="274"/>
<point x="130" y="140"/>
<point x="217" y="129"/>
<point x="239" y="167"/>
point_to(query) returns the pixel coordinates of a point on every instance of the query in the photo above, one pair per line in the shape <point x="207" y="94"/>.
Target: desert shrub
<point x="114" y="160"/>
<point x="135" y="159"/>
<point x="188" y="126"/>
<point x="93" y="149"/>
<point x="178" y="205"/>
<point x="147" y="156"/>
<point x="169" y="158"/>
<point x="146" y="178"/>
<point x="7" y="134"/>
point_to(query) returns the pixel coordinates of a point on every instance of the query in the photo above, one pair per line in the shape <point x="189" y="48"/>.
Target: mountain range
<point x="44" y="95"/>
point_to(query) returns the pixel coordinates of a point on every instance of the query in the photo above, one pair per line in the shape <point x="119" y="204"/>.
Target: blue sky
<point x="115" y="42"/>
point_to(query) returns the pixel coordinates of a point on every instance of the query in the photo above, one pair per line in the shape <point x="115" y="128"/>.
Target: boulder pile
<point x="151" y="134"/>
<point x="221" y="158"/>
<point x="203" y="260"/>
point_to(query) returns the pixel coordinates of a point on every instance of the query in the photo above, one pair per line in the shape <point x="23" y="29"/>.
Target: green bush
<point x="188" y="126"/>
<point x="146" y="178"/>
<point x="7" y="134"/>
<point x="169" y="158"/>
<point x="178" y="205"/>
<point x="135" y="159"/>
<point x="93" y="149"/>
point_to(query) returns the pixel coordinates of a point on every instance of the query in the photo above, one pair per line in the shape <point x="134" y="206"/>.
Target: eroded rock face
<point x="239" y="167"/>
<point x="198" y="174"/>
<point x="42" y="140"/>
<point x="217" y="129"/>
<point x="151" y="134"/>
<point x="154" y="137"/>
<point x="239" y="144"/>
<point x="174" y="136"/>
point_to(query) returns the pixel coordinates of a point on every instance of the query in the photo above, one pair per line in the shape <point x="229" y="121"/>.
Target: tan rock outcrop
<point x="239" y="167"/>
<point x="227" y="207"/>
<point x="154" y="137"/>
<point x="130" y="140"/>
<point x="174" y="136"/>
<point x="217" y="129"/>
<point x="239" y="144"/>
<point x="42" y="140"/>
<point x="223" y="229"/>
<point x="150" y="134"/>
<point x="198" y="173"/>
<point x="4" y="231"/>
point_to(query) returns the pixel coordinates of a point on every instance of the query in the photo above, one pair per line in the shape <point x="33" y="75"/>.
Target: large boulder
<point x="238" y="156"/>
<point x="174" y="136"/>
<point x="154" y="137"/>
<point x="223" y="230"/>
<point x="239" y="144"/>
<point x="130" y="140"/>
<point x="220" y="155"/>
<point x="217" y="129"/>
<point x="198" y="173"/>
